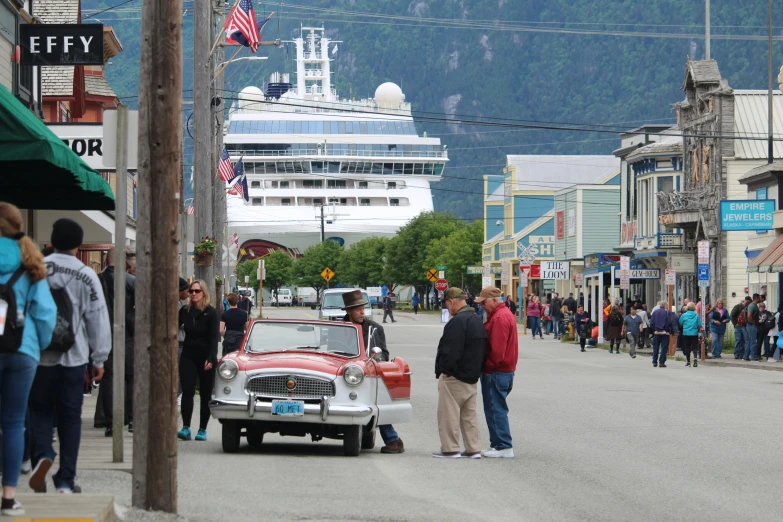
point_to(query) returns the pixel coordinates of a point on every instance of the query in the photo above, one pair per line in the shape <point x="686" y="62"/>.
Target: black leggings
<point x="690" y="343"/>
<point x="189" y="370"/>
<point x="613" y="342"/>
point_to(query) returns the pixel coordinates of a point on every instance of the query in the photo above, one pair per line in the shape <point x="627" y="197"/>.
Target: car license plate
<point x="292" y="408"/>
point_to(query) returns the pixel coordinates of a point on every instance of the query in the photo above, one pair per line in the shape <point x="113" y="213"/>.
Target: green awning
<point x="38" y="171"/>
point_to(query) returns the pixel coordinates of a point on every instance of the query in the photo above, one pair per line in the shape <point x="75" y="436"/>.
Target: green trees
<point x="457" y="251"/>
<point x="248" y="268"/>
<point x="279" y="267"/>
<point x="307" y="269"/>
<point x="363" y="263"/>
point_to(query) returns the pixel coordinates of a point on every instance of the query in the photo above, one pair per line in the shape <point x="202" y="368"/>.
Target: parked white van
<point x="284" y="297"/>
<point x="332" y="304"/>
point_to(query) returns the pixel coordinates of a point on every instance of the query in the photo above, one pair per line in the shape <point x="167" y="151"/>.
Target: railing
<point x="670" y="240"/>
<point x="686" y="201"/>
<point x="336" y="154"/>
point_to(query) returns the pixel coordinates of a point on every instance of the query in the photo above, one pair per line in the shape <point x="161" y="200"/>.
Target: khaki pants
<point x="457" y="412"/>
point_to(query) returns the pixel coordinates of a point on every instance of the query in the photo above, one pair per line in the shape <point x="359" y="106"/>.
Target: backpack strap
<point x="15" y="277"/>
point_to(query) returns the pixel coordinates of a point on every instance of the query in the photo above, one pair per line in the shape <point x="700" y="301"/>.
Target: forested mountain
<point x="551" y="63"/>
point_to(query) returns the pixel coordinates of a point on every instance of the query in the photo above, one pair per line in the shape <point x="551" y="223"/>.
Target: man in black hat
<point x="354" y="304"/>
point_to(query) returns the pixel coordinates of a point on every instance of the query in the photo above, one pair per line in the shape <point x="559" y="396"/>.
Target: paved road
<point x="596" y="436"/>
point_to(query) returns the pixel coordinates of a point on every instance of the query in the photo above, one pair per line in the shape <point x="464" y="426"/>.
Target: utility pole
<point x="118" y="328"/>
<point x="219" y="194"/>
<point x="202" y="127"/>
<point x="707" y="32"/>
<point x="323" y="236"/>
<point x="770" y="151"/>
<point x="160" y="151"/>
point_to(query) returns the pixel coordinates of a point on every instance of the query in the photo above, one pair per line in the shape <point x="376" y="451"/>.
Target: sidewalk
<point x="727" y="361"/>
<point x="95" y="453"/>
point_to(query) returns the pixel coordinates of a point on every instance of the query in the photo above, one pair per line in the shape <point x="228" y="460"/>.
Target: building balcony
<point x="658" y="241"/>
<point x="685" y="209"/>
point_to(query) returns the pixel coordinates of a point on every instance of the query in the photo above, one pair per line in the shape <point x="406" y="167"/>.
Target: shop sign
<point x="560" y="270"/>
<point x="752" y="214"/>
<point x="645" y="273"/>
<point x="682" y="263"/>
<point x="560" y="224"/>
<point x="61" y="44"/>
<point x="571" y="223"/>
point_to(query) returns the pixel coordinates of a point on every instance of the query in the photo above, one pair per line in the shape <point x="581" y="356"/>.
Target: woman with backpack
<point x="690" y="324"/>
<point x="28" y="316"/>
<point x="718" y="320"/>
<point x="614" y="328"/>
<point x="199" y="357"/>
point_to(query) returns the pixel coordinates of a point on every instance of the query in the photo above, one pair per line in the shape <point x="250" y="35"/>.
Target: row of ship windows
<point x="344" y="167"/>
<point x="330" y="183"/>
<point x="341" y="202"/>
<point x="352" y="149"/>
<point x="322" y="127"/>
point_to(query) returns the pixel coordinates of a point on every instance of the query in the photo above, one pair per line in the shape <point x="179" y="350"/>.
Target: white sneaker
<point x="447" y="455"/>
<point x="179" y="400"/>
<point x="65" y="491"/>
<point x="507" y="453"/>
<point x="27" y="467"/>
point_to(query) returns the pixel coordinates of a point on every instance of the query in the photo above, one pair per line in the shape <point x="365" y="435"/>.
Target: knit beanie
<point x="183" y="285"/>
<point x="67" y="234"/>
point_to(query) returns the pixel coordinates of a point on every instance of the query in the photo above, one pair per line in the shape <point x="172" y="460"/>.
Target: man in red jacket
<point x="499" y="367"/>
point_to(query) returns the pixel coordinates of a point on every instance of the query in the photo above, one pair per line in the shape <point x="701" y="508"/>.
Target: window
<point x="283" y="184"/>
<point x="257" y="202"/>
<point x="394" y="202"/>
<point x="274" y="184"/>
<point x="285" y="202"/>
<point x="318" y="201"/>
<point x="362" y="184"/>
<point x="364" y="202"/>
<point x="391" y="185"/>
<point x="312" y="183"/>
<point x="335" y="183"/>
<point x="255" y="184"/>
<point x="666" y="184"/>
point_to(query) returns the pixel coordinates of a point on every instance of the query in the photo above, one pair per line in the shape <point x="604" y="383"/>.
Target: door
<point x="394" y="392"/>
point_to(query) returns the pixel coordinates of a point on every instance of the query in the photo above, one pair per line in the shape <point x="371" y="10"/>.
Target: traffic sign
<point x="486" y="281"/>
<point x="504" y="272"/>
<point x="432" y="275"/>
<point x="441" y="267"/>
<point x="441" y="274"/>
<point x="523" y="279"/>
<point x="625" y="263"/>
<point x="327" y="274"/>
<point x="670" y="279"/>
<point x="704" y="252"/>
<point x="526" y="255"/>
<point x="704" y="274"/>
<point x="625" y="282"/>
<point x="579" y="279"/>
<point x="441" y="285"/>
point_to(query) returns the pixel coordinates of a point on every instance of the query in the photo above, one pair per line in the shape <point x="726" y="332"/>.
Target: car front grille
<point x="275" y="386"/>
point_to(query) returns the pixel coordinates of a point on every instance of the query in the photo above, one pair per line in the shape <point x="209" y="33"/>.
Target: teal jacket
<point x="690" y="323"/>
<point x="33" y="301"/>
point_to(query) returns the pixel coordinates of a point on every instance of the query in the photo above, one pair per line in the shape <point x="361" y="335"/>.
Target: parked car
<point x="284" y="298"/>
<point x="309" y="377"/>
<point x="332" y="304"/>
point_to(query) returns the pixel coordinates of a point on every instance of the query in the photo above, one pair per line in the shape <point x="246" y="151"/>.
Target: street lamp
<point x="220" y="67"/>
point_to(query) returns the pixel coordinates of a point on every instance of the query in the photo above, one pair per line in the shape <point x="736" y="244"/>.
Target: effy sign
<point x="61" y="44"/>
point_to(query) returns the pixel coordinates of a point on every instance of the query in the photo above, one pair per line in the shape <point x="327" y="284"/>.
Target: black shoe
<point x="655" y="365"/>
<point x="662" y="365"/>
<point x="108" y="432"/>
<point x="736" y="356"/>
<point x="583" y="349"/>
<point x="130" y="427"/>
<point x="695" y="363"/>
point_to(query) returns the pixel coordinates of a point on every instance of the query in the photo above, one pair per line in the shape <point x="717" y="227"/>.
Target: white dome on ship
<point x="250" y="95"/>
<point x="389" y="95"/>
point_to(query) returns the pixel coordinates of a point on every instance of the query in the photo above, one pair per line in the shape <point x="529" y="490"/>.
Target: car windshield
<point x="271" y="337"/>
<point x="335" y="300"/>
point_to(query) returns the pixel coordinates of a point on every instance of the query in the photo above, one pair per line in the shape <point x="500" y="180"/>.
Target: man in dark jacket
<point x="104" y="409"/>
<point x="458" y="364"/>
<point x="557" y="314"/>
<point x="570" y="303"/>
<point x="353" y="304"/>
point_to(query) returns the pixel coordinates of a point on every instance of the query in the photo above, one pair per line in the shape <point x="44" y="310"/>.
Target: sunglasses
<point x="195" y="291"/>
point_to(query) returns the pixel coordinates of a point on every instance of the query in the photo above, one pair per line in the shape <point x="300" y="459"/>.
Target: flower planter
<point x="205" y="260"/>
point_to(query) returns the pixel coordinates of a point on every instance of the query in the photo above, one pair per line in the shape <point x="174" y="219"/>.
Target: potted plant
<point x="218" y="281"/>
<point x="204" y="252"/>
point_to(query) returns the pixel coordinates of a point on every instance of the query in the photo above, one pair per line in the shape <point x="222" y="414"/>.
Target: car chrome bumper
<point x="259" y="409"/>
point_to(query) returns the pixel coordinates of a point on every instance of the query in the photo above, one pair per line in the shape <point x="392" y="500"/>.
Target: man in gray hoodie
<point x="57" y="394"/>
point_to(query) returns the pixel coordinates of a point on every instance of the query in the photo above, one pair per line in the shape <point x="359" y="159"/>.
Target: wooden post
<point x="673" y="336"/>
<point x="156" y="368"/>
<point x="118" y="353"/>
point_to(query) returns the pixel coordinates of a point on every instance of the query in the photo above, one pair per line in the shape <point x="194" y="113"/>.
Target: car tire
<point x="255" y="437"/>
<point x="368" y="439"/>
<point x="352" y="441"/>
<point x="231" y="436"/>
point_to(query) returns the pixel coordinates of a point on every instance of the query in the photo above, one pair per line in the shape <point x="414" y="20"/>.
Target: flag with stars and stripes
<point x="191" y="209"/>
<point x="225" y="168"/>
<point x="235" y="240"/>
<point x="242" y="27"/>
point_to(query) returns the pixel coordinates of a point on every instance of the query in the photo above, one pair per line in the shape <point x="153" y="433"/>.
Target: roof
<point x="702" y="72"/>
<point x="57" y="81"/>
<point x="98" y="86"/>
<point x="770" y="259"/>
<point x="666" y="145"/>
<point x="768" y="171"/>
<point x="57" y="11"/>
<point x="750" y="120"/>
<point x="552" y="173"/>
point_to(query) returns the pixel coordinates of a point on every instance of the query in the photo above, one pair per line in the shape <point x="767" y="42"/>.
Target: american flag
<point x="191" y="209"/>
<point x="235" y="240"/>
<point x="225" y="168"/>
<point x="241" y="187"/>
<point x="242" y="27"/>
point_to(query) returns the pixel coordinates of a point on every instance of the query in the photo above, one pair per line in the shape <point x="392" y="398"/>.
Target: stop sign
<point x="441" y="285"/>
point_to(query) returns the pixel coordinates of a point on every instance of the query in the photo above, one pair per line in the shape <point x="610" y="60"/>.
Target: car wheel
<point x="230" y="436"/>
<point x="368" y="440"/>
<point x="255" y="437"/>
<point x="352" y="441"/>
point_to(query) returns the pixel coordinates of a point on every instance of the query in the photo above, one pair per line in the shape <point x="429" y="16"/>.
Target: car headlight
<point x="228" y="370"/>
<point x="353" y="375"/>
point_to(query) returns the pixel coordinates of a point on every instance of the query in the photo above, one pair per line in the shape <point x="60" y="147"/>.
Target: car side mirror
<point x="376" y="353"/>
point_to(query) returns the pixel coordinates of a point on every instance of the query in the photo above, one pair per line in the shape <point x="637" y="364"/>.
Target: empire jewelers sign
<point x="752" y="214"/>
<point x="61" y="44"/>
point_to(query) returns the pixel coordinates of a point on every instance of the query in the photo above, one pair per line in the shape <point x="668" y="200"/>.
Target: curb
<point x="771" y="367"/>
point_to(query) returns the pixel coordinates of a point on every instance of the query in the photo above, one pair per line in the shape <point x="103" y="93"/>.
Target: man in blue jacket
<point x="661" y="324"/>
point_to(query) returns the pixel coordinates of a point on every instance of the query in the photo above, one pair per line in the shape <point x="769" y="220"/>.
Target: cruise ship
<point x="306" y="153"/>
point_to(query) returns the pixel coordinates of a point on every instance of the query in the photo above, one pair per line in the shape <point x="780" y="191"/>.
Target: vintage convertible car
<point x="297" y="377"/>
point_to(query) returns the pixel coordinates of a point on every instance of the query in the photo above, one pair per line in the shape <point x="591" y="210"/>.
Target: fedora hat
<point x="353" y="299"/>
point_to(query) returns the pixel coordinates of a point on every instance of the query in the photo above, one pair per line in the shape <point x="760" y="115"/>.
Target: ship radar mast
<point x="313" y="64"/>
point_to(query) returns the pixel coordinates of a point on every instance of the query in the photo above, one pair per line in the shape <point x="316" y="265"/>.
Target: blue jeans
<point x="556" y="323"/>
<point x="388" y="434"/>
<point x="17" y="372"/>
<point x="548" y="327"/>
<point x="660" y="348"/>
<point x="717" y="343"/>
<point x="751" y="343"/>
<point x="535" y="325"/>
<point x="740" y="339"/>
<point x="495" y="387"/>
<point x="56" y="400"/>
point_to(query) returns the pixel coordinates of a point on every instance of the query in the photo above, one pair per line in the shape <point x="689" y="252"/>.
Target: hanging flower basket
<point x="203" y="260"/>
<point x="204" y="252"/>
<point x="218" y="281"/>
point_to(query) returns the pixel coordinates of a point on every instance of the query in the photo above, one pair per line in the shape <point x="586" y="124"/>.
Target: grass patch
<point x="679" y="358"/>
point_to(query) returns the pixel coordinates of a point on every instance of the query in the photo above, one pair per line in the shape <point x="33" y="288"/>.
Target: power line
<point x="107" y="9"/>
